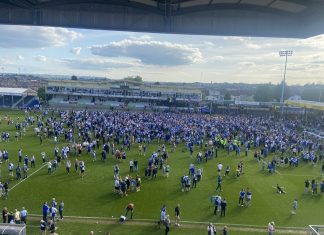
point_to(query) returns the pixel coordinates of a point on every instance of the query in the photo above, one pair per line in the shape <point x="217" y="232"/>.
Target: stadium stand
<point x="115" y="94"/>
<point x="17" y="97"/>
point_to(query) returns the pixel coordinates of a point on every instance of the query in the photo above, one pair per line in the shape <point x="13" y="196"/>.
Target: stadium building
<point x="17" y="97"/>
<point x="120" y="94"/>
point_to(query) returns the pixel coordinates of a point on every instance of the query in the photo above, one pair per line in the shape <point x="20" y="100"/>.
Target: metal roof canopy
<point x="264" y="18"/>
<point x="13" y="91"/>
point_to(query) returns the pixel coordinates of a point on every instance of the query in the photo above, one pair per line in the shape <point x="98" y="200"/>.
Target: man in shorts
<point x="130" y="207"/>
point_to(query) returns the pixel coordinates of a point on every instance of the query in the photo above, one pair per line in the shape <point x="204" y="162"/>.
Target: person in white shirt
<point x="211" y="229"/>
<point x="117" y="185"/>
<point x="219" y="167"/>
<point x="11" y="167"/>
<point x="49" y="167"/>
<point x="271" y="228"/>
<point x="131" y="166"/>
<point x="93" y="155"/>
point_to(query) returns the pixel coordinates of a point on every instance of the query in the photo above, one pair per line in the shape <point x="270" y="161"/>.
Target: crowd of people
<point x="115" y="133"/>
<point x="14" y="217"/>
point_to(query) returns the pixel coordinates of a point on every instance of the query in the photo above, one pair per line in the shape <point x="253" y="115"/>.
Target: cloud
<point x="209" y="44"/>
<point x="315" y="42"/>
<point x="35" y="37"/>
<point x="97" y="64"/>
<point x="40" y="58"/>
<point x="76" y="50"/>
<point x="20" y="57"/>
<point x="150" y="52"/>
<point x="250" y="43"/>
<point x="217" y="57"/>
<point x="253" y="45"/>
<point x="141" y="38"/>
<point x="5" y="61"/>
<point x="247" y="64"/>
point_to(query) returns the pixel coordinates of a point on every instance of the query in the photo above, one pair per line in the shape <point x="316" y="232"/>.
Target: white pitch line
<point x="27" y="177"/>
<point x="298" y="175"/>
<point x="184" y="221"/>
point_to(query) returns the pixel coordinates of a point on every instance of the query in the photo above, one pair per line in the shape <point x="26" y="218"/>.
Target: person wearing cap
<point x="211" y="229"/>
<point x="271" y="228"/>
<point x="23" y="215"/>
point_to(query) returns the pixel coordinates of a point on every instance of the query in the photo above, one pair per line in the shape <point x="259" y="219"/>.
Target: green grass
<point x="93" y="196"/>
<point x="124" y="229"/>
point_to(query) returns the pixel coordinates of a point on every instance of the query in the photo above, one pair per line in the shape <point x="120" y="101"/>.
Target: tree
<point x="264" y="92"/>
<point x="134" y="78"/>
<point x="41" y="93"/>
<point x="227" y="96"/>
<point x="313" y="92"/>
<point x="270" y="92"/>
<point x="74" y="78"/>
<point x="278" y="91"/>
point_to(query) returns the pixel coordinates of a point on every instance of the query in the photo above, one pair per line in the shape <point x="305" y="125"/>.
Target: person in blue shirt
<point x="241" y="197"/>
<point x="45" y="211"/>
<point x="26" y="160"/>
<point x="61" y="207"/>
<point x="18" y="172"/>
<point x="53" y="213"/>
<point x="54" y="203"/>
<point x="54" y="165"/>
<point x="144" y="150"/>
<point x="23" y="215"/>
<point x="191" y="150"/>
<point x="223" y="207"/>
<point x="43" y="227"/>
<point x="219" y="183"/>
<point x="217" y="202"/>
<point x="82" y="168"/>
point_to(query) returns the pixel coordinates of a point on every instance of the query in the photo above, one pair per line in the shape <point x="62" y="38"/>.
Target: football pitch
<point x="93" y="196"/>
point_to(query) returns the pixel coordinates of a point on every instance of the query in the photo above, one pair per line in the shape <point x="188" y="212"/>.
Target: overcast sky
<point x="158" y="57"/>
